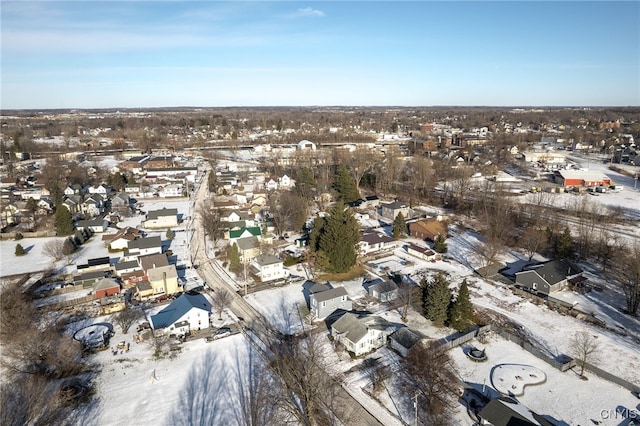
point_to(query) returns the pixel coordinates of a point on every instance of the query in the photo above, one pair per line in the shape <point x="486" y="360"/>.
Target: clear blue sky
<point x="89" y="54"/>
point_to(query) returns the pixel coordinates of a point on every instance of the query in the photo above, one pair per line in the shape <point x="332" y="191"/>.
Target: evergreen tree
<point x="437" y="300"/>
<point x="19" y="250"/>
<point x="345" y="185"/>
<point x="399" y="226"/>
<point x="234" y="259"/>
<point x="63" y="221"/>
<point x="440" y="244"/>
<point x="564" y="245"/>
<point x="339" y="237"/>
<point x="461" y="314"/>
<point x="69" y="246"/>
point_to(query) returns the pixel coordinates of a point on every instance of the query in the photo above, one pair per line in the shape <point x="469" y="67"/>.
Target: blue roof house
<point x="189" y="312"/>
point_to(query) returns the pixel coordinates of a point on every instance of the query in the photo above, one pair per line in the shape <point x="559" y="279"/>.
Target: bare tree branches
<point x="583" y="347"/>
<point x="221" y="299"/>
<point x="429" y="375"/>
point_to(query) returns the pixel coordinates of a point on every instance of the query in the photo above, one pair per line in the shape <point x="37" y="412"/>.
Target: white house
<point x="374" y="242"/>
<point x="182" y="316"/>
<point x="286" y="182"/>
<point x="424" y="253"/>
<point x="267" y="267"/>
<point x="145" y="246"/>
<point x="171" y="190"/>
<point x="305" y="144"/>
<point x="361" y="335"/>
<point x="100" y="189"/>
<point x="163" y="218"/>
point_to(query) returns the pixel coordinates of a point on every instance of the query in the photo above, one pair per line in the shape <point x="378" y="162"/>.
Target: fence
<point x="39" y="234"/>
<point x="560" y="362"/>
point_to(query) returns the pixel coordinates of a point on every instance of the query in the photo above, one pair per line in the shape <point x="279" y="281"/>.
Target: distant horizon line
<point x="2" y="110"/>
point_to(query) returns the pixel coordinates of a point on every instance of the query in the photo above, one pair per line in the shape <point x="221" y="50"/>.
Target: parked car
<point x="220" y="333"/>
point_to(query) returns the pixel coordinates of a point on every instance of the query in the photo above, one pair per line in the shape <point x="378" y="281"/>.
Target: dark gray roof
<point x="376" y="237"/>
<point x="127" y="265"/>
<point x="267" y="259"/>
<point x="142" y="243"/>
<point x="247" y="243"/>
<point x="505" y="411"/>
<point x="155" y="214"/>
<point x="406" y="337"/>
<point x="557" y="270"/>
<point x="330" y="294"/>
<point x="349" y="325"/>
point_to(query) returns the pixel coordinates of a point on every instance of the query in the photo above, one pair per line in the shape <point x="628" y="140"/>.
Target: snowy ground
<point x="563" y="396"/>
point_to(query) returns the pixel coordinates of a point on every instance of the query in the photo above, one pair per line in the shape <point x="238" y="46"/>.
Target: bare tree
<point x="211" y="222"/>
<point x="533" y="241"/>
<point x="583" y="348"/>
<point x="307" y="391"/>
<point x="127" y="317"/>
<point x="54" y="249"/>
<point x="360" y="162"/>
<point x="429" y="376"/>
<point x="407" y="294"/>
<point x="628" y="274"/>
<point x="221" y="299"/>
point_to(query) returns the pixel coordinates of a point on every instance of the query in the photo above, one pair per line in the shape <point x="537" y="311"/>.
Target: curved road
<point x="346" y="407"/>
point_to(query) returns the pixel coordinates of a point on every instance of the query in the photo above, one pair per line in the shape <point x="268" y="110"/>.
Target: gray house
<point x="549" y="277"/>
<point x="391" y="210"/>
<point x="323" y="303"/>
<point x="382" y="290"/>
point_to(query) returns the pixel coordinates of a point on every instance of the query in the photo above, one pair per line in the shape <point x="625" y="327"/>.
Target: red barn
<point x="105" y="287"/>
<point x="581" y="178"/>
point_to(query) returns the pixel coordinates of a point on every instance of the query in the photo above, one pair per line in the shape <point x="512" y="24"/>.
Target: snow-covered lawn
<point x="563" y="396"/>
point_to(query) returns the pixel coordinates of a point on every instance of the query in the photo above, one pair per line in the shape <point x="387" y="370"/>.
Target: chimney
<point x="164" y="282"/>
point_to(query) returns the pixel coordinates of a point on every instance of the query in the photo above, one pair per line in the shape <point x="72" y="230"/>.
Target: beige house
<point x="160" y="281"/>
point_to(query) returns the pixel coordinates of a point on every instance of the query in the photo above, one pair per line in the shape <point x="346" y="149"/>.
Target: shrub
<point x="18" y="236"/>
<point x="20" y="250"/>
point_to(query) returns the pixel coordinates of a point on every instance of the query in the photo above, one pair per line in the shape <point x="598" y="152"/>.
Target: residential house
<point x="245" y="232"/>
<point x="382" y="290"/>
<point x="87" y="279"/>
<point x="428" y="229"/>
<point x="403" y="339"/>
<point x="127" y="267"/>
<point x="325" y="301"/>
<point x="72" y="203"/>
<point x="549" y="277"/>
<point x="248" y="248"/>
<point x="160" y="281"/>
<point x="170" y="190"/>
<point x="372" y="241"/>
<point x="152" y="261"/>
<point x="163" y="218"/>
<point x="96" y="264"/>
<point x="267" y="267"/>
<point x="391" y="210"/>
<point x="130" y="279"/>
<point x="101" y="189"/>
<point x="105" y="287"/>
<point x="92" y="205"/>
<point x="424" y="253"/>
<point x="370" y="201"/>
<point x="361" y="335"/>
<point x="121" y="202"/>
<point x="285" y="182"/>
<point x="188" y="313"/>
<point x="235" y="216"/>
<point x="120" y="240"/>
<point x="271" y="184"/>
<point x="98" y="225"/>
<point x="506" y="411"/>
<point x="144" y="246"/>
<point x="68" y="191"/>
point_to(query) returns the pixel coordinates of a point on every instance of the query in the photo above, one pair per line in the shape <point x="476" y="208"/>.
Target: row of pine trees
<point x="442" y="308"/>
